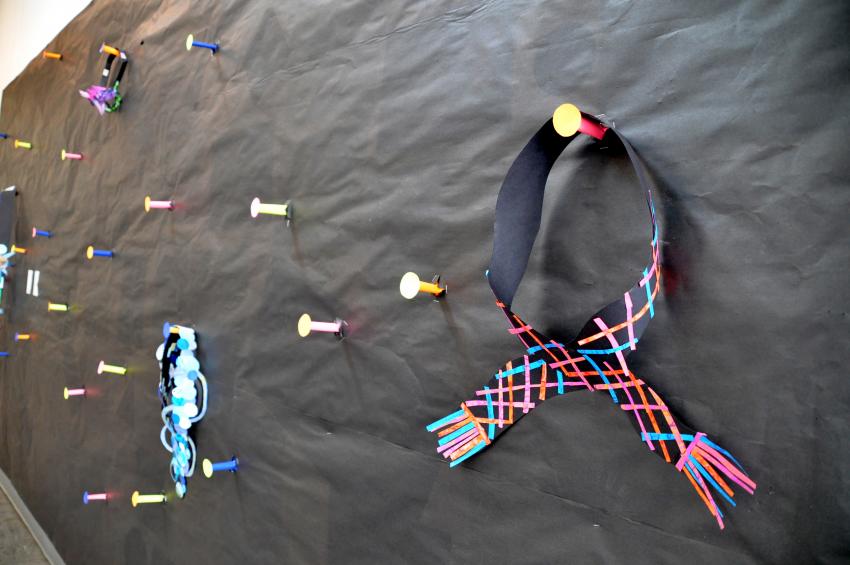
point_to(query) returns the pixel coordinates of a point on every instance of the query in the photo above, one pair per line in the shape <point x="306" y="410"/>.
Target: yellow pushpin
<point x="286" y="209"/>
<point x="137" y="498"/>
<point x="21" y="250"/>
<point x="22" y="144"/>
<point x="103" y="367"/>
<point x="568" y="120"/>
<point x="54" y="307"/>
<point x="411" y="285"/>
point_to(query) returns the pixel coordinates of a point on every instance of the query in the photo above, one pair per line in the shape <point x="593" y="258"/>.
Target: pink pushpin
<point x="69" y="392"/>
<point x="158" y="204"/>
<point x="306" y="326"/>
<point x="89" y="496"/>
<point x="569" y="120"/>
<point x="72" y="156"/>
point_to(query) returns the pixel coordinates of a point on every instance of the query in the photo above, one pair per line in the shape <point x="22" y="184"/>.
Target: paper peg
<point x="568" y="120"/>
<point x="231" y="465"/>
<point x="22" y="144"/>
<point x="55" y="307"/>
<point x="158" y="204"/>
<point x="22" y="337"/>
<point x="20" y="250"/>
<point x="104" y="367"/>
<point x="285" y="210"/>
<point x="69" y="392"/>
<point x="190" y="42"/>
<point x="90" y="496"/>
<point x="411" y="285"/>
<point x="306" y="325"/>
<point x="92" y="252"/>
<point x="41" y="233"/>
<point x="109" y="50"/>
<point x="52" y="55"/>
<point x="137" y="498"/>
<point x="72" y="156"/>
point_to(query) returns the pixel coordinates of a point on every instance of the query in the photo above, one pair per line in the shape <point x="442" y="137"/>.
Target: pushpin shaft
<point x="137" y="498"/>
<point x="114" y="369"/>
<point x="328" y="327"/>
<point x="104" y="48"/>
<point x="274" y="209"/>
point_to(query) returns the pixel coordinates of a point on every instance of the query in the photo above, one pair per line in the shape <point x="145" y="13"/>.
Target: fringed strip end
<point x="461" y="436"/>
<point x="706" y="464"/>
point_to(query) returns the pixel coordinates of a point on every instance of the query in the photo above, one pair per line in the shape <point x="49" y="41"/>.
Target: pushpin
<point x="568" y="120"/>
<point x="21" y="250"/>
<point x="92" y="252"/>
<point x="43" y="233"/>
<point x="4" y="354"/>
<point x="137" y="498"/>
<point x="22" y="337"/>
<point x="306" y="325"/>
<point x="73" y="156"/>
<point x="158" y="204"/>
<point x="4" y="136"/>
<point x="52" y="55"/>
<point x="89" y="496"/>
<point x="54" y="307"/>
<point x="231" y="465"/>
<point x="22" y="144"/>
<point x="286" y="209"/>
<point x="108" y="49"/>
<point x="103" y="367"/>
<point x="69" y="392"/>
<point x="190" y="42"/>
<point x="410" y="286"/>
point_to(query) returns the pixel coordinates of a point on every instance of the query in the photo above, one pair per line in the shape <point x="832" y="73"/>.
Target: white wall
<point x="26" y="26"/>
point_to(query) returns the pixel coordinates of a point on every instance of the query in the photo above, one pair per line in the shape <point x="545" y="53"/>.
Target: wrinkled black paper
<point x="391" y="126"/>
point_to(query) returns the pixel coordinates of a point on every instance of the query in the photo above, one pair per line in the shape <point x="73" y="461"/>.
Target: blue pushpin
<point x="4" y="354"/>
<point x="209" y="467"/>
<point x="92" y="252"/>
<point x="43" y="233"/>
<point x="4" y="135"/>
<point x="190" y="42"/>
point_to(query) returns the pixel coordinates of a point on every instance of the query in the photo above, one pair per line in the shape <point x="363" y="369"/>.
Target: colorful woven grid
<point x="595" y="360"/>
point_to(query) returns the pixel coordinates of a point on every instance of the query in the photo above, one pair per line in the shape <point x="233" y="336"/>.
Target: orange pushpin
<point x="52" y="55"/>
<point x="411" y="285"/>
<point x="569" y="120"/>
<point x="104" y="48"/>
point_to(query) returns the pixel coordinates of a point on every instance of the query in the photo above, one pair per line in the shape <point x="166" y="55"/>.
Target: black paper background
<point x="391" y="125"/>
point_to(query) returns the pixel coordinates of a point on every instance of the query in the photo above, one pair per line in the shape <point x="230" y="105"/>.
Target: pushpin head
<point x="566" y="120"/>
<point x="67" y="396"/>
<point x="255" y="207"/>
<point x="304" y="325"/>
<point x="208" y="468"/>
<point x="189" y="40"/>
<point x="409" y="286"/>
<point x="147" y="203"/>
<point x="63" y="154"/>
<point x="90" y="252"/>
